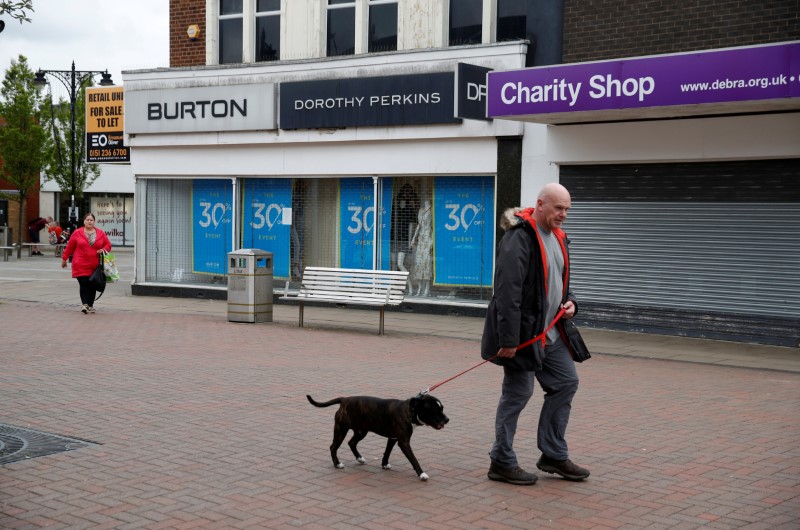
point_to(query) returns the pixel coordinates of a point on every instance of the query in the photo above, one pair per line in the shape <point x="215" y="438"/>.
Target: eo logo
<point x="100" y="140"/>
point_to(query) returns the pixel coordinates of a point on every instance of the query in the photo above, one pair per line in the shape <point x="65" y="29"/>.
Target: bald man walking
<point x="531" y="285"/>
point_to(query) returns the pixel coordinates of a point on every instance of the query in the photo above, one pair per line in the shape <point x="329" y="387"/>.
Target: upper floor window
<point x="268" y="30"/>
<point x="382" y="34"/>
<point x="231" y="18"/>
<point x="511" y="19"/>
<point x="341" y="27"/>
<point x="466" y="22"/>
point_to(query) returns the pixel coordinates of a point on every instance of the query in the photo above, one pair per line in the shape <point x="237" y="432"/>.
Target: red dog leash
<point x="540" y="336"/>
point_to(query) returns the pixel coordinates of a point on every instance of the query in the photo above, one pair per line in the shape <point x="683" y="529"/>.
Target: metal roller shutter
<point x="696" y="249"/>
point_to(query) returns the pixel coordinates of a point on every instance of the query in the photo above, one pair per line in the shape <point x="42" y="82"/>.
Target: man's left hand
<point x="569" y="309"/>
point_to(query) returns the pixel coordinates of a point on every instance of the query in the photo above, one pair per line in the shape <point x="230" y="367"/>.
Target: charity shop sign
<point x="746" y="79"/>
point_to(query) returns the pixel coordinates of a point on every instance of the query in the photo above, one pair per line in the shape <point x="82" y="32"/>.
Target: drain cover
<point x="18" y="444"/>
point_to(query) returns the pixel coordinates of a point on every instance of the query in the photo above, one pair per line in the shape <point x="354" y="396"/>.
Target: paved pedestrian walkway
<point x="40" y="279"/>
<point x="196" y="422"/>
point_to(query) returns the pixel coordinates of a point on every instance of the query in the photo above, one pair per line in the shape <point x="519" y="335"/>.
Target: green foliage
<point x="22" y="139"/>
<point x="17" y="9"/>
<point x="58" y="157"/>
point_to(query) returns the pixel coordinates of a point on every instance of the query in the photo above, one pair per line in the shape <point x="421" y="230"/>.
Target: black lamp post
<point x="73" y="80"/>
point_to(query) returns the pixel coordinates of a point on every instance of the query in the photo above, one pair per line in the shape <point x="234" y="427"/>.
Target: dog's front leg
<point x="389" y="446"/>
<point x="357" y="437"/>
<point x="405" y="446"/>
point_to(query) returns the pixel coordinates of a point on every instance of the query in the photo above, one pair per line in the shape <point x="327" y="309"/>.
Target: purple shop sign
<point x="731" y="80"/>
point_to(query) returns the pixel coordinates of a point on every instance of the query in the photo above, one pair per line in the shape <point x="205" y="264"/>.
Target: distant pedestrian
<point x="85" y="246"/>
<point x="54" y="234"/>
<point x="34" y="227"/>
<point x="531" y="283"/>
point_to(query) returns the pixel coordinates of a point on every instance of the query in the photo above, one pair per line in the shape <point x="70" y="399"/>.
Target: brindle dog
<point x="393" y="418"/>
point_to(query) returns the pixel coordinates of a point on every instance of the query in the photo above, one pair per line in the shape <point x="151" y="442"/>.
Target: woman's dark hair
<point x="88" y="214"/>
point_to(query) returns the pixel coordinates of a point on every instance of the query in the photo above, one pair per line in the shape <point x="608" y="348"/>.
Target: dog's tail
<point x="326" y="404"/>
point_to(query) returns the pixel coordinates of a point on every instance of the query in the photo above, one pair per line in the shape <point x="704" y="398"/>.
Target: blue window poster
<point x="263" y="203"/>
<point x="358" y="220"/>
<point x="464" y="231"/>
<point x="212" y="201"/>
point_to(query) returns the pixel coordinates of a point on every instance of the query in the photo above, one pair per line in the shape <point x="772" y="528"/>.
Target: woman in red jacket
<point x="85" y="246"/>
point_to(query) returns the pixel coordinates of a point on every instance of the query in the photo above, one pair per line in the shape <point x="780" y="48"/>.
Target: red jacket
<point x="84" y="256"/>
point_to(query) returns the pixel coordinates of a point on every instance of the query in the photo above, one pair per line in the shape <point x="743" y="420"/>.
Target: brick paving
<point x="202" y="423"/>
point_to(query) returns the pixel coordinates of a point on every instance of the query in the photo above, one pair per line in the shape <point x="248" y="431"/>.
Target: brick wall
<point x="612" y="29"/>
<point x="182" y="51"/>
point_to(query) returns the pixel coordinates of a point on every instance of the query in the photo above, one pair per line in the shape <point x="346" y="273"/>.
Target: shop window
<point x="382" y="33"/>
<point x="187" y="230"/>
<point x="341" y="27"/>
<point x="268" y="30"/>
<point x="511" y="20"/>
<point x="231" y="18"/>
<point x="466" y="22"/>
<point x="114" y="215"/>
<point x="439" y="229"/>
<point x="442" y="233"/>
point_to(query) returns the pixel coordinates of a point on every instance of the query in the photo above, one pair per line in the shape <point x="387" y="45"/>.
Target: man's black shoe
<point x="566" y="468"/>
<point x="512" y="475"/>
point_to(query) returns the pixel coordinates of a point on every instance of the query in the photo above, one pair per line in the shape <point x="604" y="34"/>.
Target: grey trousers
<point x="559" y="380"/>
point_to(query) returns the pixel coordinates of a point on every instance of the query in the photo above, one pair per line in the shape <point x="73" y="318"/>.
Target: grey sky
<point x="115" y="35"/>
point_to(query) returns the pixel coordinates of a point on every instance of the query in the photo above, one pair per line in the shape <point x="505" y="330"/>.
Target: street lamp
<point x="72" y="80"/>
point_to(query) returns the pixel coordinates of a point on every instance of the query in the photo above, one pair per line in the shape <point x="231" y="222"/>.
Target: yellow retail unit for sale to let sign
<point x="105" y="125"/>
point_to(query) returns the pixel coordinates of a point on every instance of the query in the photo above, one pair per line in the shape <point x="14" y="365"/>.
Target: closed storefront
<point x="354" y="165"/>
<point x="438" y="228"/>
<point x="672" y="246"/>
<point x="684" y="171"/>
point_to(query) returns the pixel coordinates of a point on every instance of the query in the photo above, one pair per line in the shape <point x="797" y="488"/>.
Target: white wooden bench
<point x="7" y="251"/>
<point x="350" y="286"/>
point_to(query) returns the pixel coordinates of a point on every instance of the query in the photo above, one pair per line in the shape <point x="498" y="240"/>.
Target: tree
<point x="22" y="140"/>
<point x="58" y="157"/>
<point x="17" y="10"/>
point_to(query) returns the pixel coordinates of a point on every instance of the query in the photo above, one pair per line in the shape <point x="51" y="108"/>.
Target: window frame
<point x="218" y="25"/>
<point x="374" y="3"/>
<point x="496" y="21"/>
<point x="264" y="14"/>
<point x="348" y="4"/>
<point x="484" y="4"/>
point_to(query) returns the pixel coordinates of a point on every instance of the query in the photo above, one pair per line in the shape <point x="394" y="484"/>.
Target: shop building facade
<point x="344" y="133"/>
<point x="348" y="159"/>
<point x="109" y="197"/>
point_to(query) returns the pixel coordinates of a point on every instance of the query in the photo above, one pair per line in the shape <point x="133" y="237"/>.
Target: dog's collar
<point x="412" y="407"/>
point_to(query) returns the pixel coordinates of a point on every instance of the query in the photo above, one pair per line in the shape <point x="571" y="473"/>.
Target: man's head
<point x="552" y="206"/>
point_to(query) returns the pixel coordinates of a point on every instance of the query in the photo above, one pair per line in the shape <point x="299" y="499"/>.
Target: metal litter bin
<point x="5" y="236"/>
<point x="250" y="285"/>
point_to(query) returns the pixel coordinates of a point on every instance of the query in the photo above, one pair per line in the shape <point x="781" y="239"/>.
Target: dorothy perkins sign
<point x="371" y="101"/>
<point x="659" y="83"/>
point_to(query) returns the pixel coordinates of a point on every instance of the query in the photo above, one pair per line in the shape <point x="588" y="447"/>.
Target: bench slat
<point x="316" y="286"/>
<point x="350" y="286"/>
<point x="352" y="298"/>
<point x="354" y="281"/>
<point x="357" y="272"/>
